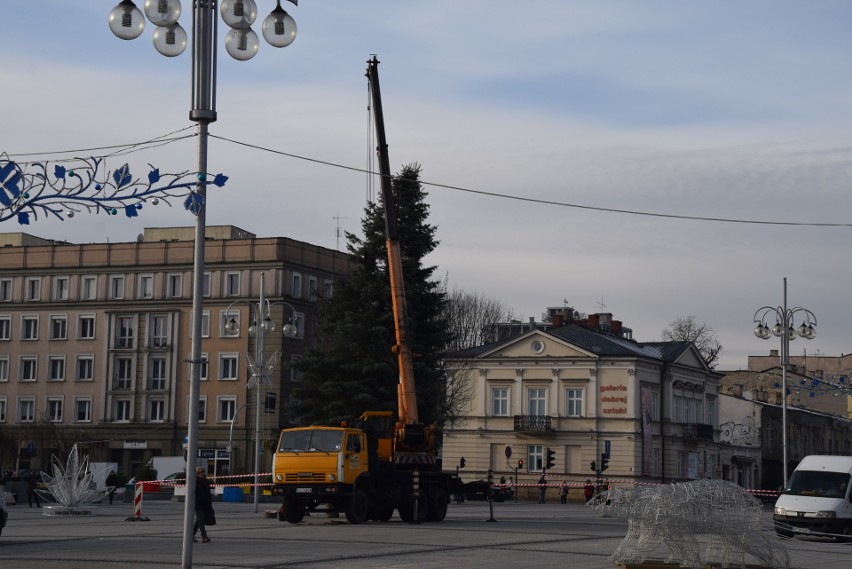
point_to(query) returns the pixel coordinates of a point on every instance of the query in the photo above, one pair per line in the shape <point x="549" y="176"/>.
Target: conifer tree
<point x="351" y="368"/>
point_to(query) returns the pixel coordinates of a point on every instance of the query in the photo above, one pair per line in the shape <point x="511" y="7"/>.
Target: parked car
<point x="478" y="490"/>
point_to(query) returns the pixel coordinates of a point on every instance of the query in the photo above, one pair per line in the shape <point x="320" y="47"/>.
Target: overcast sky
<point x="730" y="110"/>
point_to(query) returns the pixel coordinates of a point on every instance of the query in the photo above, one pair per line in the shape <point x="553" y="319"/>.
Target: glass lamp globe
<point x="162" y="13"/>
<point x="791" y="333"/>
<point x="170" y="41"/>
<point x="238" y="14"/>
<point x="242" y="44"/>
<point x="126" y="20"/>
<point x="231" y="327"/>
<point x="290" y="330"/>
<point x="279" y="28"/>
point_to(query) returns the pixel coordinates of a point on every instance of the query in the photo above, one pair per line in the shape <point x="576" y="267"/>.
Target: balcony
<point x="697" y="432"/>
<point x="532" y="423"/>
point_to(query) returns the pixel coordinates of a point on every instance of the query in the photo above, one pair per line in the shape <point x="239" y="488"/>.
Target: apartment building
<point x="94" y="340"/>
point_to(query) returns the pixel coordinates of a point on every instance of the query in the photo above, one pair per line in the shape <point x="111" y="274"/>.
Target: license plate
<point x="303" y="490"/>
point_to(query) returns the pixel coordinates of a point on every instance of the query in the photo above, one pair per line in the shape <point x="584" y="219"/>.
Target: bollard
<point x="137" y="504"/>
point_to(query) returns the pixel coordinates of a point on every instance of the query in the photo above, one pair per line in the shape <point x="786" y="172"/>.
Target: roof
<point x="599" y="343"/>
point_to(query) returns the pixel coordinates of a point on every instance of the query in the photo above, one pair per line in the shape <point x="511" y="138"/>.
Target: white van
<point x="817" y="499"/>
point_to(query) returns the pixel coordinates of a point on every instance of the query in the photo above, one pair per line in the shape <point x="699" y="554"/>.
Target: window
<point x="711" y="411"/>
<point x="205" y="324"/>
<point x="157" y="374"/>
<point x="687" y="410"/>
<point x="121" y="410"/>
<point x="202" y="408"/>
<point x="146" y="286"/>
<point x="59" y="327"/>
<point x="26" y="409"/>
<point x="89" y="287"/>
<point x="33" y="288"/>
<point x="655" y="406"/>
<point x="82" y="409"/>
<point x="223" y="324"/>
<point x="205" y="284"/>
<point x="156" y="410"/>
<point x="116" y="287"/>
<point x="54" y="409"/>
<point x="29" y="368"/>
<point x="123" y="373"/>
<point x="232" y="284"/>
<point x="158" y="331"/>
<point x="228" y="367"/>
<point x="60" y="288"/>
<point x="124" y="331"/>
<point x="574" y="403"/>
<point x="312" y="288"/>
<point x="535" y="455"/>
<point x="500" y="401"/>
<point x="86" y="327"/>
<point x="5" y="327"/>
<point x="297" y="285"/>
<point x="204" y="365"/>
<point x="327" y="288"/>
<point x="175" y="285"/>
<point x="5" y="290"/>
<point x="226" y="408"/>
<point x="537" y="401"/>
<point x="56" y="368"/>
<point x="677" y="401"/>
<point x="294" y="373"/>
<point x="4" y="368"/>
<point x="85" y="368"/>
<point x="29" y="327"/>
<point x="2" y="409"/>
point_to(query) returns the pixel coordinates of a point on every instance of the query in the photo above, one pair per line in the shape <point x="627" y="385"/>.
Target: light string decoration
<point x="62" y="192"/>
<point x="72" y="486"/>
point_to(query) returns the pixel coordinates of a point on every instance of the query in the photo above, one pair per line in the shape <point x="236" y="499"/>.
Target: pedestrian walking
<point x="588" y="490"/>
<point x="111" y="483"/>
<point x="203" y="504"/>
<point x="542" y="489"/>
<point x="31" y="490"/>
<point x="563" y="492"/>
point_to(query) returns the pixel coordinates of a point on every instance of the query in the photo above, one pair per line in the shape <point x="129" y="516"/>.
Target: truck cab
<point x="817" y="499"/>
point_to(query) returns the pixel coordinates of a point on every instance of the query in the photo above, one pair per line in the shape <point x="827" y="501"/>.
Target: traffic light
<point x="461" y="462"/>
<point x="604" y="462"/>
<point x="520" y="463"/>
<point x="549" y="464"/>
<point x="594" y="466"/>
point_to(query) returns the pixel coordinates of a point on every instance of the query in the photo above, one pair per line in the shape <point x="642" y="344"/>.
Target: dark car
<point x="3" y="514"/>
<point x="478" y="490"/>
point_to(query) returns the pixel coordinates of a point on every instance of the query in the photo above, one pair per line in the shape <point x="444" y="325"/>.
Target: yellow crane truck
<point x="379" y="463"/>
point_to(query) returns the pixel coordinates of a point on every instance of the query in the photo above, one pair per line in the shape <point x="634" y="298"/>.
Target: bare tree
<point x="469" y="317"/>
<point x="689" y="329"/>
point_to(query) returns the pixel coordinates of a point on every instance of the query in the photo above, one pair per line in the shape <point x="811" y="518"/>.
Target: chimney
<point x="773" y="353"/>
<point x="558" y="320"/>
<point x="616" y="327"/>
<point x="593" y="321"/>
<point x="737" y="390"/>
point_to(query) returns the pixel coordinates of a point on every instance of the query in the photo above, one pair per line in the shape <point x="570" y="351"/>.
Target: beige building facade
<point x="94" y="340"/>
<point x="580" y="391"/>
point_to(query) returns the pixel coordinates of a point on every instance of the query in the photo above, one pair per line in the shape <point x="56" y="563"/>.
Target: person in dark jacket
<point x="111" y="483"/>
<point x="203" y="503"/>
<point x="32" y="485"/>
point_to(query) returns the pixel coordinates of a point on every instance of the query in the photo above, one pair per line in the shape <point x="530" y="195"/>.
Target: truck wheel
<point x="381" y="511"/>
<point x="357" y="507"/>
<point x="294" y="511"/>
<point x="406" y="510"/>
<point x="438" y="501"/>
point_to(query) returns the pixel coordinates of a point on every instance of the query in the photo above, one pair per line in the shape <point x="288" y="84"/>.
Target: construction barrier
<point x="139" y="491"/>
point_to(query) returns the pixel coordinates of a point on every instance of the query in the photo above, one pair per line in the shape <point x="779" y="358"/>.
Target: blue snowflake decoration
<point x="88" y="187"/>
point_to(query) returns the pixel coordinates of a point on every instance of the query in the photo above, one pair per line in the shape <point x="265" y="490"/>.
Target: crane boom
<point x="406" y="393"/>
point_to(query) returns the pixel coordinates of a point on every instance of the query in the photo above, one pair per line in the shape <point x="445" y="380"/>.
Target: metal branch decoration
<point x="60" y="191"/>
<point x="674" y="516"/>
<point x="72" y="486"/>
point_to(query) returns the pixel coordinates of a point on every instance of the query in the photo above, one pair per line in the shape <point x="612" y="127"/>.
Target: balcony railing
<point x="532" y="423"/>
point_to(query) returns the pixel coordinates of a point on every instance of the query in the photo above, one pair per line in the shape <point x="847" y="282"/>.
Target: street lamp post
<point x="260" y="367"/>
<point x="279" y="29"/>
<point x="785" y="329"/>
